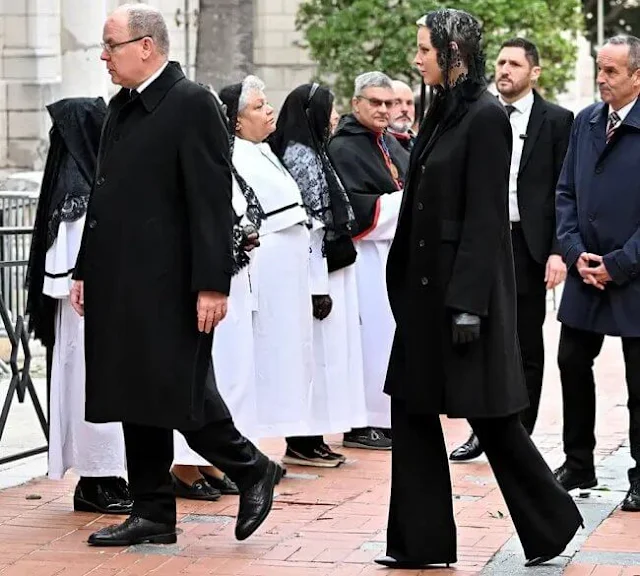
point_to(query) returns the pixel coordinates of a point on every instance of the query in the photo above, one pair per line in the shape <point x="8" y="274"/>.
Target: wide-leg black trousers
<point x="421" y="523"/>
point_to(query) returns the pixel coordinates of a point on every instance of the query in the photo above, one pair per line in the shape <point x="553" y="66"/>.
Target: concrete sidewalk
<point x="332" y="522"/>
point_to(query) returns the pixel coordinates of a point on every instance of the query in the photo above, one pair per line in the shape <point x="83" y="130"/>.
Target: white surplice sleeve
<point x="385" y="219"/>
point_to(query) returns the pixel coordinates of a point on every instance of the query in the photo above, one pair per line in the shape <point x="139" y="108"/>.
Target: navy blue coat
<point x="598" y="211"/>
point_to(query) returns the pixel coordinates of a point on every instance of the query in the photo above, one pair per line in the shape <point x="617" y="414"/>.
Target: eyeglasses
<point x="109" y="48"/>
<point x="376" y="103"/>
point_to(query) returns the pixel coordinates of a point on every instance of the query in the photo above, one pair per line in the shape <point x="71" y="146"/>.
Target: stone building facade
<point x="49" y="49"/>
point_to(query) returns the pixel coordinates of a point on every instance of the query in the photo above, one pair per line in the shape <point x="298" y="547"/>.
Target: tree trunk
<point x="224" y="49"/>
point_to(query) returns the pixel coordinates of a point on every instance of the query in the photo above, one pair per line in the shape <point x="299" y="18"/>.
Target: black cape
<point x="361" y="166"/>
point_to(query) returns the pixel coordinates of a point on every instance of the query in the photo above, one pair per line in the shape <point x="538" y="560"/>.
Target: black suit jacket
<point x="545" y="147"/>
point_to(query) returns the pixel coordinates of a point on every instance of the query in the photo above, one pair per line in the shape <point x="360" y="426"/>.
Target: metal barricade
<point x="17" y="215"/>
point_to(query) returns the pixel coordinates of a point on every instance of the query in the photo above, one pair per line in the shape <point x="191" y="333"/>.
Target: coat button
<point x="100" y="181"/>
<point x="92" y="223"/>
<point x="420" y="206"/>
<point x="592" y="217"/>
<point x="421" y="243"/>
<point x="599" y="170"/>
<point x="422" y="169"/>
<point x="424" y="280"/>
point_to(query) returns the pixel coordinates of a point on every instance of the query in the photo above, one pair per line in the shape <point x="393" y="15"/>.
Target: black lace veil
<point x="449" y="26"/>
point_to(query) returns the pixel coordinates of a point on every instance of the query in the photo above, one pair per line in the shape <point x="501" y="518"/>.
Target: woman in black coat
<point x="451" y="287"/>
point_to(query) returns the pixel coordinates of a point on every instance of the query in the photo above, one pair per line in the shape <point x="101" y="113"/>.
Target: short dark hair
<point x="530" y="49"/>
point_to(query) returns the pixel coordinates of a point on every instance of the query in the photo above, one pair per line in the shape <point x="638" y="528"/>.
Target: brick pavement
<point x="324" y="522"/>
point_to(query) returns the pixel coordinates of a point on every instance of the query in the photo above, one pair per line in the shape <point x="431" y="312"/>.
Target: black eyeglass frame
<point x="109" y="48"/>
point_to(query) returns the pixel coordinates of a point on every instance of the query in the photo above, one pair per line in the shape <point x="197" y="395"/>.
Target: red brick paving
<point x="332" y="524"/>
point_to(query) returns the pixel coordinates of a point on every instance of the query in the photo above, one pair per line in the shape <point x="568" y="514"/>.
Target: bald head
<point x="403" y="113"/>
<point x="135" y="44"/>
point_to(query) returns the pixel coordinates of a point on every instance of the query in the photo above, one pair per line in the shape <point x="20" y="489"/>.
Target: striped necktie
<point x="612" y="124"/>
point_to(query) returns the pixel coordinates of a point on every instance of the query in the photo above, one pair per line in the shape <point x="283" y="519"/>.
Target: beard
<point x="512" y="89"/>
<point x="401" y="126"/>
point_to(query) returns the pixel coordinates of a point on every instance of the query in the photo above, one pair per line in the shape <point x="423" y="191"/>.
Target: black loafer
<point x="468" y="451"/>
<point x="199" y="490"/>
<point x="389" y="562"/>
<point x="134" y="530"/>
<point x="102" y="495"/>
<point x="572" y="479"/>
<point x="225" y="485"/>
<point x="255" y="502"/>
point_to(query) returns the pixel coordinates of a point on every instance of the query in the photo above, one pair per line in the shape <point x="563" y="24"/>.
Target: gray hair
<point x="249" y="84"/>
<point x="371" y="80"/>
<point x="145" y="20"/>
<point x="634" y="49"/>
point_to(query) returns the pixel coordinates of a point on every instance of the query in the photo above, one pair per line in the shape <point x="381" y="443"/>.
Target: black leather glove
<point x="250" y="237"/>
<point x="465" y="328"/>
<point x="322" y="306"/>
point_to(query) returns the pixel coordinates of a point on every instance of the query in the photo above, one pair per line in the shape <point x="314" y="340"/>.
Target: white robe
<point x="376" y="319"/>
<point x="282" y="321"/>
<point x="338" y="394"/>
<point x="90" y="449"/>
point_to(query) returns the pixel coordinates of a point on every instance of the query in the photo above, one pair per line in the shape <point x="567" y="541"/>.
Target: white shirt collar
<point x="523" y="105"/>
<point x="151" y="78"/>
<point x="624" y="111"/>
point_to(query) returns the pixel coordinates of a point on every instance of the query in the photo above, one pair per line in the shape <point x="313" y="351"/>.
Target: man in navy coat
<point x="598" y="220"/>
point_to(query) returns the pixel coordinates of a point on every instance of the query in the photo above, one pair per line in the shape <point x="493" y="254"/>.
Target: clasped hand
<point x="597" y="276"/>
<point x="250" y="237"/>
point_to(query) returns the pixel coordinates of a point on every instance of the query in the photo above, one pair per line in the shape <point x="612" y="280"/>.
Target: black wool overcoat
<point x="158" y="231"/>
<point x="452" y="253"/>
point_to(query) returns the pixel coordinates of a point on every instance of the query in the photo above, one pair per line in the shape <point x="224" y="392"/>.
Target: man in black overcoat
<point x="541" y="132"/>
<point x="452" y="291"/>
<point x="153" y="275"/>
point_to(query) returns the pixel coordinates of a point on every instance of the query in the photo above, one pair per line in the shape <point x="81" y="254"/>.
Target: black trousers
<point x="421" y="524"/>
<point x="531" y="309"/>
<point x="150" y="455"/>
<point x="577" y="352"/>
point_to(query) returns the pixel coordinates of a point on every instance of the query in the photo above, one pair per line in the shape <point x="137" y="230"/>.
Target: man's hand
<point x="211" y="308"/>
<point x="77" y="297"/>
<point x="596" y="276"/>
<point x="555" y="272"/>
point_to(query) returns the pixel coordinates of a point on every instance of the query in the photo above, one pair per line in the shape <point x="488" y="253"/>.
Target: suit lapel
<point x="536" y="119"/>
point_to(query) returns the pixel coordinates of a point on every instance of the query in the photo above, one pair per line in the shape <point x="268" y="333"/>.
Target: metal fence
<point x="17" y="215"/>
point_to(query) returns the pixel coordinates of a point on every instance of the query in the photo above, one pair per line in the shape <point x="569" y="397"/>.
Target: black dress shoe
<point x="572" y="479"/>
<point x="468" y="451"/>
<point x="631" y="502"/>
<point x="134" y="530"/>
<point x="255" y="503"/>
<point x="102" y="495"/>
<point x="199" y="490"/>
<point x="389" y="562"/>
<point x="225" y="485"/>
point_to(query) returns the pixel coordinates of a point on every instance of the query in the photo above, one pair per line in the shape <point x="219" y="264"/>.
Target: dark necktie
<point x="132" y="94"/>
<point x="612" y="124"/>
<point x="510" y="109"/>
